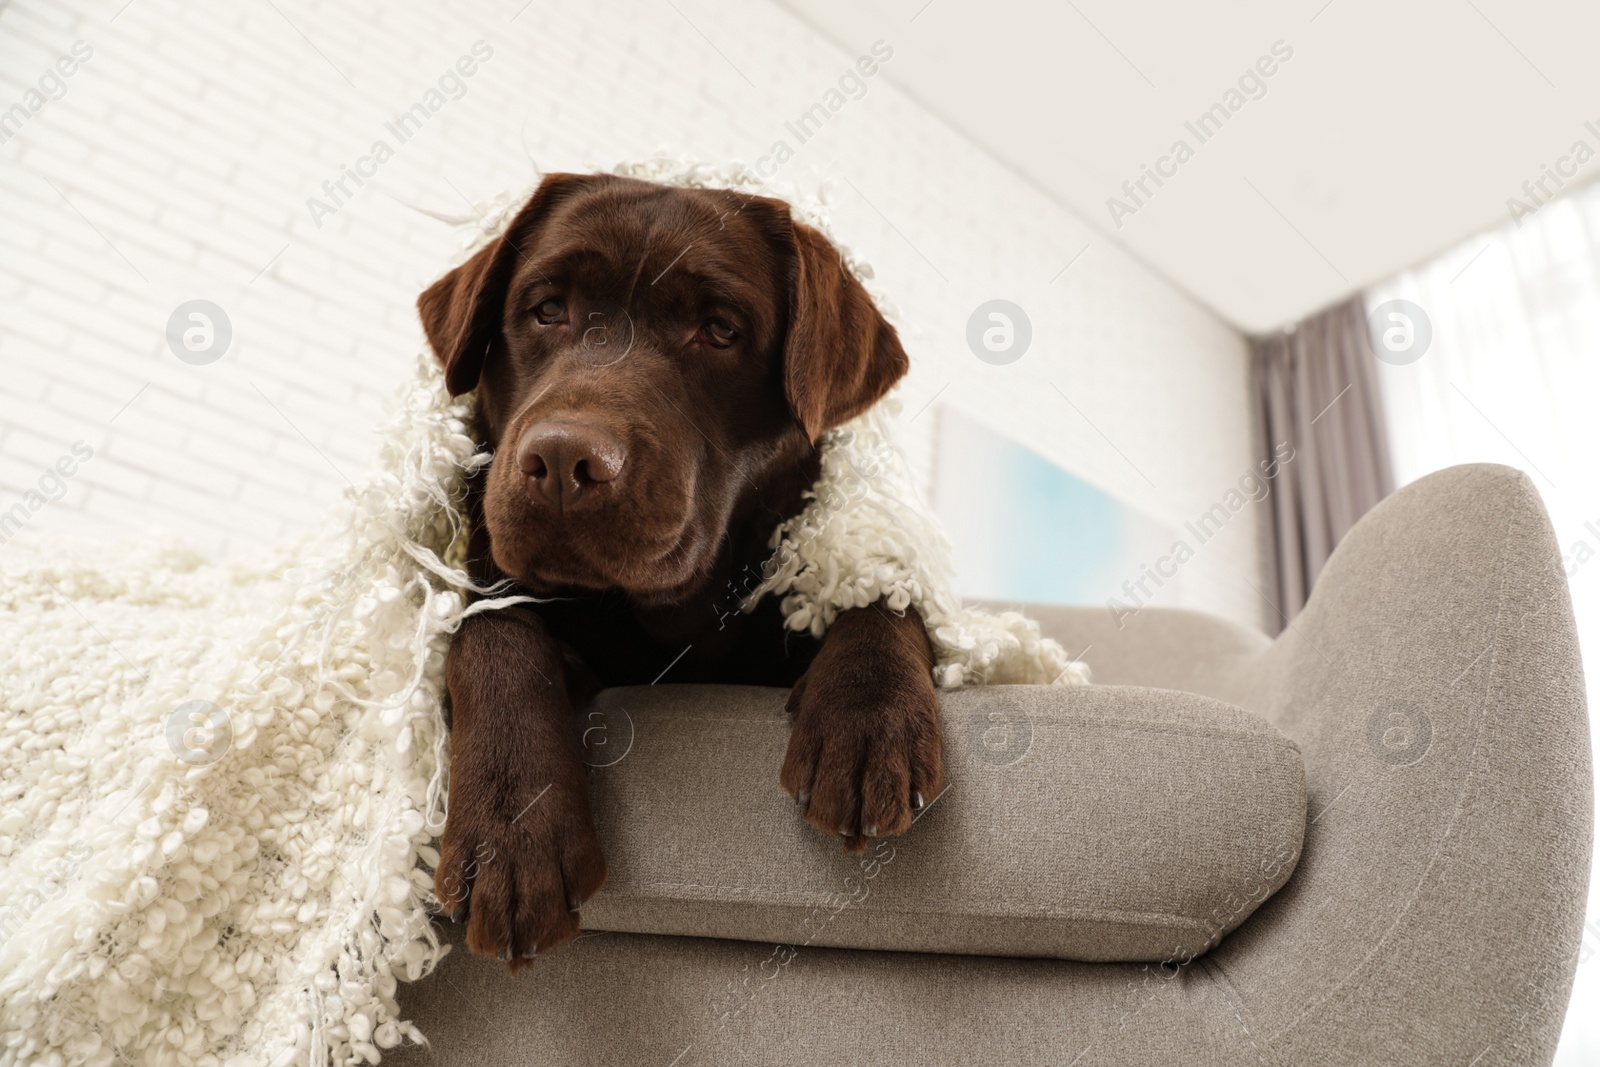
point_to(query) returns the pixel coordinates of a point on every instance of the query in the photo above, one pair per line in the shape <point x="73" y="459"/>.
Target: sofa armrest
<point x="1434" y="685"/>
<point x="1081" y="822"/>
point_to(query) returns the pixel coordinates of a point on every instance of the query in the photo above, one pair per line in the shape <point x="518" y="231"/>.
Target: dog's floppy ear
<point x="462" y="311"/>
<point x="840" y="356"/>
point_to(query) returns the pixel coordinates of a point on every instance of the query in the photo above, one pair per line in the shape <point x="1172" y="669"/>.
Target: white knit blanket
<point x="865" y="535"/>
<point x="222" y="785"/>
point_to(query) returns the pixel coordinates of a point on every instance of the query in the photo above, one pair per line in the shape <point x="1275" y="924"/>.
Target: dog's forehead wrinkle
<point x="621" y="236"/>
<point x="638" y="272"/>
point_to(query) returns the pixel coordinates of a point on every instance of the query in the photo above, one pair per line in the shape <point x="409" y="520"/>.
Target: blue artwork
<point x="1026" y="529"/>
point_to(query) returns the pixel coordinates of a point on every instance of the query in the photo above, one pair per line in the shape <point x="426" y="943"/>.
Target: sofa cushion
<point x="1094" y="823"/>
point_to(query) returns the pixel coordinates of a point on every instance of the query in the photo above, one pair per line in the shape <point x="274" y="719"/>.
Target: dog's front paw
<point x="516" y="870"/>
<point x="866" y="753"/>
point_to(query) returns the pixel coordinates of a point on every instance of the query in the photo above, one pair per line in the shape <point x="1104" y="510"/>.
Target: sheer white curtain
<point x="1512" y="376"/>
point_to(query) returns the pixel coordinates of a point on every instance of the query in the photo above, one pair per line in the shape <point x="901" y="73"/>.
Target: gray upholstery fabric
<point x="1433" y="686"/>
<point x="1087" y="823"/>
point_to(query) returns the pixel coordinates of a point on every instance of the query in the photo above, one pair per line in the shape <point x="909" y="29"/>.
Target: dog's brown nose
<point x="563" y="462"/>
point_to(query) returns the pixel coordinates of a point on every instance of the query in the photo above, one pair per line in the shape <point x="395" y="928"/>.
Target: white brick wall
<point x="194" y="135"/>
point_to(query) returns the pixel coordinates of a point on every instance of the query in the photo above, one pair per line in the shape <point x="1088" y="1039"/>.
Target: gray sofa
<point x="1440" y="836"/>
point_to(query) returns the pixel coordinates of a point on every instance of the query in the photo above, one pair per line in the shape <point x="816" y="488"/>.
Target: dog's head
<point x="646" y="357"/>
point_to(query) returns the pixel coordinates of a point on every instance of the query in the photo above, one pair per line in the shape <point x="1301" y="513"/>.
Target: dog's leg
<point x="866" y="751"/>
<point x="519" y="853"/>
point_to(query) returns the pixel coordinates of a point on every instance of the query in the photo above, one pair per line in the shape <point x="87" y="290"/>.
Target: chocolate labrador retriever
<point x="653" y="367"/>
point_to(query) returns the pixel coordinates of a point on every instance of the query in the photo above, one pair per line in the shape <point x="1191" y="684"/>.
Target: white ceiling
<point x="1396" y="129"/>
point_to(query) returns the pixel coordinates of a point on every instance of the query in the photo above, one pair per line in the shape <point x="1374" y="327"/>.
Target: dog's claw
<point x="528" y="954"/>
<point x="916" y="801"/>
<point x="458" y="914"/>
<point x="803" y="798"/>
<point x="505" y="955"/>
<point x="871" y="831"/>
<point x="572" y="905"/>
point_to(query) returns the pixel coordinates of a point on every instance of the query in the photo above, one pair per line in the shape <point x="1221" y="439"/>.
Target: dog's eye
<point x="719" y="333"/>
<point x="550" y="311"/>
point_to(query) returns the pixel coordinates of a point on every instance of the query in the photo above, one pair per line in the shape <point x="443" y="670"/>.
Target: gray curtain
<point x="1317" y="389"/>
